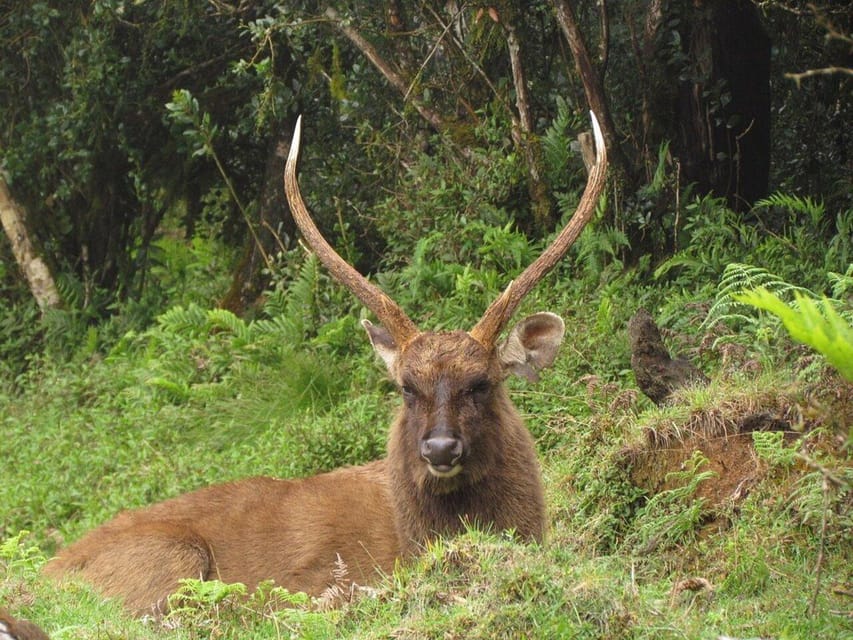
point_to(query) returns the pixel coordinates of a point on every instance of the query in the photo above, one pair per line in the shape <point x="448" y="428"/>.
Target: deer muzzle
<point x="443" y="454"/>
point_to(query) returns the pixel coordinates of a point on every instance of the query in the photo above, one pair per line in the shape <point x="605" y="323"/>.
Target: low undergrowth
<point x="624" y="558"/>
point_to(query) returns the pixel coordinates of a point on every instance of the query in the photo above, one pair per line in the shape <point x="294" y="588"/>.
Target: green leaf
<point x="813" y="323"/>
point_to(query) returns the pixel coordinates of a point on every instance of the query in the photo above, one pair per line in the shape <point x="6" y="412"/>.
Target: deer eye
<point x="408" y="392"/>
<point x="478" y="388"/>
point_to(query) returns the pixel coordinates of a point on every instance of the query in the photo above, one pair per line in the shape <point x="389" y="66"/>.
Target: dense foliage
<point x="128" y="124"/>
<point x="145" y="141"/>
<point x="204" y="396"/>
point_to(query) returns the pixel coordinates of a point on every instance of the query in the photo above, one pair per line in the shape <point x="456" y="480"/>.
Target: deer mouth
<point x="444" y="470"/>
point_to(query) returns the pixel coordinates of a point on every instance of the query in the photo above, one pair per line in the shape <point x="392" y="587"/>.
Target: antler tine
<point x="500" y="311"/>
<point x="389" y="313"/>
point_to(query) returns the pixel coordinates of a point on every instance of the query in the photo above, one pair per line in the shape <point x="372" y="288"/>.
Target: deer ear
<point x="532" y="345"/>
<point x="383" y="344"/>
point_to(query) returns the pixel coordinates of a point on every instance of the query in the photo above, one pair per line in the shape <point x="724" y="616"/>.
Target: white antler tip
<point x="599" y="137"/>
<point x="295" y="143"/>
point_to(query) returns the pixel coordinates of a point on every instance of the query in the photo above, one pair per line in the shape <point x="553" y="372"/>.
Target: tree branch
<point x="35" y="270"/>
<point x="394" y="78"/>
<point x="825" y="71"/>
<point x="519" y="80"/>
<point x="522" y="128"/>
<point x="592" y="84"/>
<point x="474" y="65"/>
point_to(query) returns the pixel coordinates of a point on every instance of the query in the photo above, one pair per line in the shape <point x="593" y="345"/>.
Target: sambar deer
<point x="457" y="452"/>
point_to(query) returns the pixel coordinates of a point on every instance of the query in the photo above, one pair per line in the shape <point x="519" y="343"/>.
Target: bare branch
<point x="391" y="75"/>
<point x="825" y="71"/>
<point x="474" y="65"/>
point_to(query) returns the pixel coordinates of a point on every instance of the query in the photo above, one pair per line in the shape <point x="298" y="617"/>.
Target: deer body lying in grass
<point x="458" y="452"/>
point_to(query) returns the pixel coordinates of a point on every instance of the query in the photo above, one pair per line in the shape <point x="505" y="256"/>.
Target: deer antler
<point x="500" y="311"/>
<point x="389" y="313"/>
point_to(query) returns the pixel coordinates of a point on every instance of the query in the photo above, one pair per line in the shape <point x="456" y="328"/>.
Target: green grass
<point x="82" y="441"/>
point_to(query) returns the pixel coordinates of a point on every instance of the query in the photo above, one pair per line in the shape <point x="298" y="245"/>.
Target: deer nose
<point x="442" y="452"/>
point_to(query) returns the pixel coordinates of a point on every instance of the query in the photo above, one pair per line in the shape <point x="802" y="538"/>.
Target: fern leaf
<point x="817" y="325"/>
<point x="557" y="142"/>
<point x="796" y="204"/>
<point x="191" y="320"/>
<point x="226" y="320"/>
<point x="177" y="392"/>
<point x="276" y="303"/>
<point x="737" y="278"/>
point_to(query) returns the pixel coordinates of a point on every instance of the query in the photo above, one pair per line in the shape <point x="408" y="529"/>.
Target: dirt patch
<point x="722" y="432"/>
<point x="731" y="456"/>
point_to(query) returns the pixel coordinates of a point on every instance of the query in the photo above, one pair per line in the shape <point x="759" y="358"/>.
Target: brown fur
<point x="291" y="531"/>
<point x="17" y="629"/>
<point x="500" y="485"/>
<point x="246" y="531"/>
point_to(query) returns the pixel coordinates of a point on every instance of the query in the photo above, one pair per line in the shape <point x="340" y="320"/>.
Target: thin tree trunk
<point x="35" y="269"/>
<point x="643" y="45"/>
<point x="590" y="78"/>
<point x="274" y="231"/>
<point x="523" y="134"/>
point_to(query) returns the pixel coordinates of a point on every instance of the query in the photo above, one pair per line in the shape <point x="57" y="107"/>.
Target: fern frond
<point x="770" y="446"/>
<point x="281" y="328"/>
<point x="225" y="320"/>
<point x="842" y="283"/>
<point x="292" y="311"/>
<point x="680" y="259"/>
<point x="557" y="142"/>
<point x="302" y="292"/>
<point x="813" y="323"/>
<point x="71" y="290"/>
<point x="176" y="392"/>
<point x="737" y="278"/>
<point x="190" y="320"/>
<point x="275" y="303"/>
<point x="796" y="204"/>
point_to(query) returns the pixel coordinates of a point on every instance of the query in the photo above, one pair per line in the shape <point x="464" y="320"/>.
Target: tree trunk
<point x="593" y="84"/>
<point x="274" y="231"/>
<point x="525" y="138"/>
<point x="35" y="269"/>
<point x="723" y="111"/>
